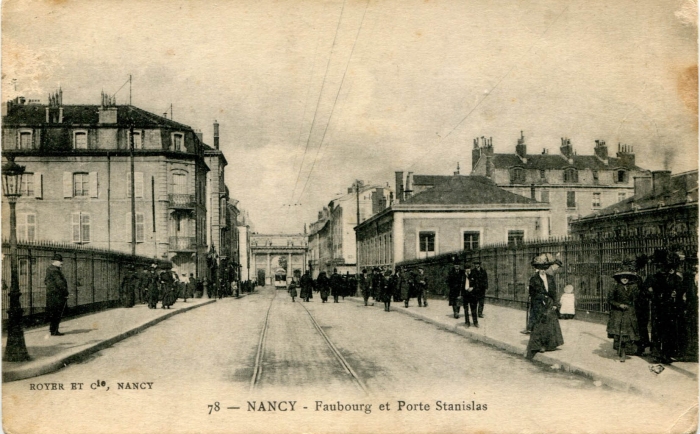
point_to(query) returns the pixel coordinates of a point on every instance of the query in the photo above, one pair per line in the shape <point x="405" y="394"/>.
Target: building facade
<point x="78" y="181"/>
<point x="460" y="213"/>
<point x="277" y="257"/>
<point x="574" y="185"/>
<point x="663" y="205"/>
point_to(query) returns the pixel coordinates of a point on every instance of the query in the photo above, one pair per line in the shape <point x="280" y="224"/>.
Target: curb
<point x="77" y="354"/>
<point x="609" y="381"/>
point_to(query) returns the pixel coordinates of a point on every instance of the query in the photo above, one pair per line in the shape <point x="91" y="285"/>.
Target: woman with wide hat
<point x="545" y="332"/>
<point x="622" y="323"/>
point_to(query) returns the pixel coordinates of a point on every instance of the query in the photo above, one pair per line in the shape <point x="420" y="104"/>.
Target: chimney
<point x="489" y="166"/>
<point x="566" y="149"/>
<point x="626" y="155"/>
<point x="216" y="134"/>
<point x="642" y="186"/>
<point x="200" y="135"/>
<point x="521" y="148"/>
<point x="350" y="190"/>
<point x="456" y="172"/>
<point x="399" y="186"/>
<point x="60" y="115"/>
<point x="601" y="151"/>
<point x="409" y="185"/>
<point x="661" y="181"/>
<point x="47" y="115"/>
<point x="107" y="115"/>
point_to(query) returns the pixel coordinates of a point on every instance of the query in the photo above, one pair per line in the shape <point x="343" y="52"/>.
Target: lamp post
<point x="15" y="349"/>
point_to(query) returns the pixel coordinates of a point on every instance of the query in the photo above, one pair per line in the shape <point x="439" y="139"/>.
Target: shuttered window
<point x="81" y="227"/>
<point x="138" y="187"/>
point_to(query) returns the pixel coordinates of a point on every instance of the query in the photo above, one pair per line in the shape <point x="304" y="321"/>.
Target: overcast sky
<point x="312" y="95"/>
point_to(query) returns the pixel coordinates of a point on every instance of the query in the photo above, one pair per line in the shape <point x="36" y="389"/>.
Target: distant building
<point x="574" y="185"/>
<point x="663" y="204"/>
<point x="276" y="257"/>
<point x="78" y="183"/>
<point x="456" y="213"/>
<point x="332" y="237"/>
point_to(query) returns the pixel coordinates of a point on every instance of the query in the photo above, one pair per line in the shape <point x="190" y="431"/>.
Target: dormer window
<point x="621" y="176"/>
<point x="517" y="175"/>
<point x="138" y="140"/>
<point x="178" y="141"/>
<point x="570" y="175"/>
<point x="24" y="140"/>
<point x="80" y="139"/>
<point x="543" y="176"/>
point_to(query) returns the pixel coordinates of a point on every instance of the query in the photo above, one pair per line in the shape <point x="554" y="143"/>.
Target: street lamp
<point x="15" y="349"/>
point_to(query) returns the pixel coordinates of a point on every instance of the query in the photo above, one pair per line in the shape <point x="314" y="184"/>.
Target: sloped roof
<point x="683" y="189"/>
<point x="430" y="179"/>
<point x="86" y="114"/>
<point x="467" y="190"/>
<point x="547" y="161"/>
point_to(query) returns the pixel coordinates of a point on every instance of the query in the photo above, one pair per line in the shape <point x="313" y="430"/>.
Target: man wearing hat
<point x="365" y="284"/>
<point x="421" y="285"/>
<point x="480" y="280"/>
<point x="336" y="285"/>
<point x="129" y="286"/>
<point x="56" y="293"/>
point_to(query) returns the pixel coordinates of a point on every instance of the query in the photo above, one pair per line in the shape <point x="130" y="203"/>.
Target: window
<point x="81" y="227"/>
<point x="27" y="184"/>
<point x="80" y="140"/>
<point x="545" y="196"/>
<point x="471" y="240"/>
<point x="179" y="183"/>
<point x="596" y="200"/>
<point x="571" y="199"/>
<point x="25" y="140"/>
<point x="595" y="176"/>
<point x="620" y="176"/>
<point x="517" y="175"/>
<point x="81" y="184"/>
<point x="26" y="227"/>
<point x="426" y="241"/>
<point x="515" y="238"/>
<point x="177" y="141"/>
<point x="138" y="140"/>
<point x="570" y="175"/>
<point x="139" y="227"/>
<point x="138" y="187"/>
<point x="621" y="196"/>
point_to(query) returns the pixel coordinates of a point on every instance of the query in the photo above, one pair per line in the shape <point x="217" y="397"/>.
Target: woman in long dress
<point x="546" y="333"/>
<point x="622" y="323"/>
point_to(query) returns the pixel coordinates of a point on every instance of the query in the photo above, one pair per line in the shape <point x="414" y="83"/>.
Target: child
<point x="568" y="303"/>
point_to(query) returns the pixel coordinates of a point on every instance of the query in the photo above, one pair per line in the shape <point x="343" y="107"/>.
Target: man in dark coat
<point x="152" y="287"/>
<point x="667" y="301"/>
<point x="56" y="293"/>
<point x="307" y="285"/>
<point x="352" y="286"/>
<point x="129" y="286"/>
<point x="421" y="285"/>
<point x="322" y="283"/>
<point x="365" y="285"/>
<point x="469" y="296"/>
<point x="480" y="280"/>
<point x="454" y="287"/>
<point x="336" y="282"/>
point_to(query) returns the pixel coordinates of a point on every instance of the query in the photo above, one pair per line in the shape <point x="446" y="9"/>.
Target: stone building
<point x="663" y="205"/>
<point x="78" y="183"/>
<point x="277" y="257"/>
<point x="456" y="213"/>
<point x="574" y="185"/>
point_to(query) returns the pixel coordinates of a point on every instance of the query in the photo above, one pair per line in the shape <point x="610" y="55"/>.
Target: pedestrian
<point x="396" y="285"/>
<point x="377" y="282"/>
<point x="642" y="305"/>
<point x="352" y="286"/>
<point x="454" y="287"/>
<point x="469" y="297"/>
<point x="622" y="322"/>
<point x="365" y="285"/>
<point x="293" y="289"/>
<point x="667" y="308"/>
<point x="567" y="303"/>
<point x="690" y="281"/>
<point x="56" y="293"/>
<point x="336" y="282"/>
<point x="182" y="287"/>
<point x="386" y="290"/>
<point x="142" y="284"/>
<point x="153" y="287"/>
<point x="129" y="287"/>
<point x="191" y="287"/>
<point x="406" y="286"/>
<point x="199" y="288"/>
<point x="323" y="283"/>
<point x="480" y="280"/>
<point x="421" y="286"/>
<point x="545" y="332"/>
<point x="306" y="283"/>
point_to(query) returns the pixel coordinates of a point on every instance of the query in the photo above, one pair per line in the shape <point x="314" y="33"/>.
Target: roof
<point x="683" y="189"/>
<point x="86" y="114"/>
<point x="466" y="190"/>
<point x="430" y="179"/>
<point x="547" y="161"/>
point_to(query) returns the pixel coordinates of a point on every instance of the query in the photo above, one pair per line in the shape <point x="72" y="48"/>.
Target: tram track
<point x="337" y="355"/>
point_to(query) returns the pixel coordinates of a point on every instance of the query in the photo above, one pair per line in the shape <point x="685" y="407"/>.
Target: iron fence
<point x="588" y="265"/>
<point x="93" y="276"/>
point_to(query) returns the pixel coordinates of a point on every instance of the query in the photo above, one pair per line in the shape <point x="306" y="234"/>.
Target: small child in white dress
<point x="568" y="303"/>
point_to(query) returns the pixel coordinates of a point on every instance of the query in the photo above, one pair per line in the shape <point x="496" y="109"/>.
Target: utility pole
<point x="132" y="190"/>
<point x="357" y="243"/>
<point x="129" y="89"/>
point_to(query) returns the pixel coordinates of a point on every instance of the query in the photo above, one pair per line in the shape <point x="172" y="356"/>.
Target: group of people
<point x="152" y="285"/>
<point x="467" y="287"/>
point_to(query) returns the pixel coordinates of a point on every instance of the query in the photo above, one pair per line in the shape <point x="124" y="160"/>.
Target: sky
<point x="311" y="95"/>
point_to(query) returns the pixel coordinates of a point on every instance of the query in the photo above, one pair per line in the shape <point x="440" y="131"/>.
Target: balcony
<point x="181" y="201"/>
<point x="183" y="244"/>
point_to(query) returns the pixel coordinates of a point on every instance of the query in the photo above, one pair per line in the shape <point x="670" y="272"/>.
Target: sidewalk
<point x="86" y="335"/>
<point x="586" y="351"/>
